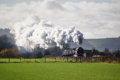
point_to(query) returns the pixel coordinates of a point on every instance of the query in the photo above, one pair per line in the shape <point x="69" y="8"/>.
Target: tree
<point x="116" y="53"/>
<point x="107" y="52"/>
<point x="95" y="51"/>
<point x="5" y="42"/>
<point x="39" y="55"/>
<point x="47" y="52"/>
<point x="9" y="53"/>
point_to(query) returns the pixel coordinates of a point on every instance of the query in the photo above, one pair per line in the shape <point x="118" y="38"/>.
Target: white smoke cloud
<point x="34" y="32"/>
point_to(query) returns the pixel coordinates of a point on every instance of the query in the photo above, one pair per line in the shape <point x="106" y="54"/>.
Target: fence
<point x="60" y="59"/>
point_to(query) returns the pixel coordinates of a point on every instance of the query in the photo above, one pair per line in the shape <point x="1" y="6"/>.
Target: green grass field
<point x="59" y="71"/>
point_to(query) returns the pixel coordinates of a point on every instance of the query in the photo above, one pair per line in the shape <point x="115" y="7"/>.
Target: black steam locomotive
<point x="76" y="52"/>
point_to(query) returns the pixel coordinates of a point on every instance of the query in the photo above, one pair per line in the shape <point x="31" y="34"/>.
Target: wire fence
<point x="60" y="59"/>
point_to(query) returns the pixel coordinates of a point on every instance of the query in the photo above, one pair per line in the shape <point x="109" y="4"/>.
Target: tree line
<point x="106" y="53"/>
<point x="14" y="53"/>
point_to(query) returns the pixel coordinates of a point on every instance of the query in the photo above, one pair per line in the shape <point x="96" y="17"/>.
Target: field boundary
<point x="60" y="59"/>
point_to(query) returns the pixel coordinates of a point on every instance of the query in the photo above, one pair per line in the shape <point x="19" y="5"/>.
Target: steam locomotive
<point x="76" y="52"/>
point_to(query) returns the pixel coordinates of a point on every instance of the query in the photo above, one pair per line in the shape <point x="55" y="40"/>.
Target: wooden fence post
<point x="20" y="59"/>
<point x="67" y="59"/>
<point x="35" y="59"/>
<point x="55" y="59"/>
<point x="45" y="59"/>
<point x="9" y="60"/>
<point x="75" y="59"/>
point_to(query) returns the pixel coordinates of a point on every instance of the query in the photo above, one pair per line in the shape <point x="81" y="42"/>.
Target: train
<point x="75" y="52"/>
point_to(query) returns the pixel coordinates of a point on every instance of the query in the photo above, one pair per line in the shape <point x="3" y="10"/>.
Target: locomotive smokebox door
<point x="80" y="51"/>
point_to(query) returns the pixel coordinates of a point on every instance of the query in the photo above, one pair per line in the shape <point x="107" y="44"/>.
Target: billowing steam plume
<point x="33" y="32"/>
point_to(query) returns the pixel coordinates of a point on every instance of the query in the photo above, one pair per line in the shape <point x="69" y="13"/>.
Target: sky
<point x="94" y="18"/>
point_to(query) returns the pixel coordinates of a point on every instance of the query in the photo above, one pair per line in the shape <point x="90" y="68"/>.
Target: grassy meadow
<point x="59" y="71"/>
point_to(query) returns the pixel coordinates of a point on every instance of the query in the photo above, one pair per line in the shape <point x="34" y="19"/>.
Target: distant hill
<point x="100" y="44"/>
